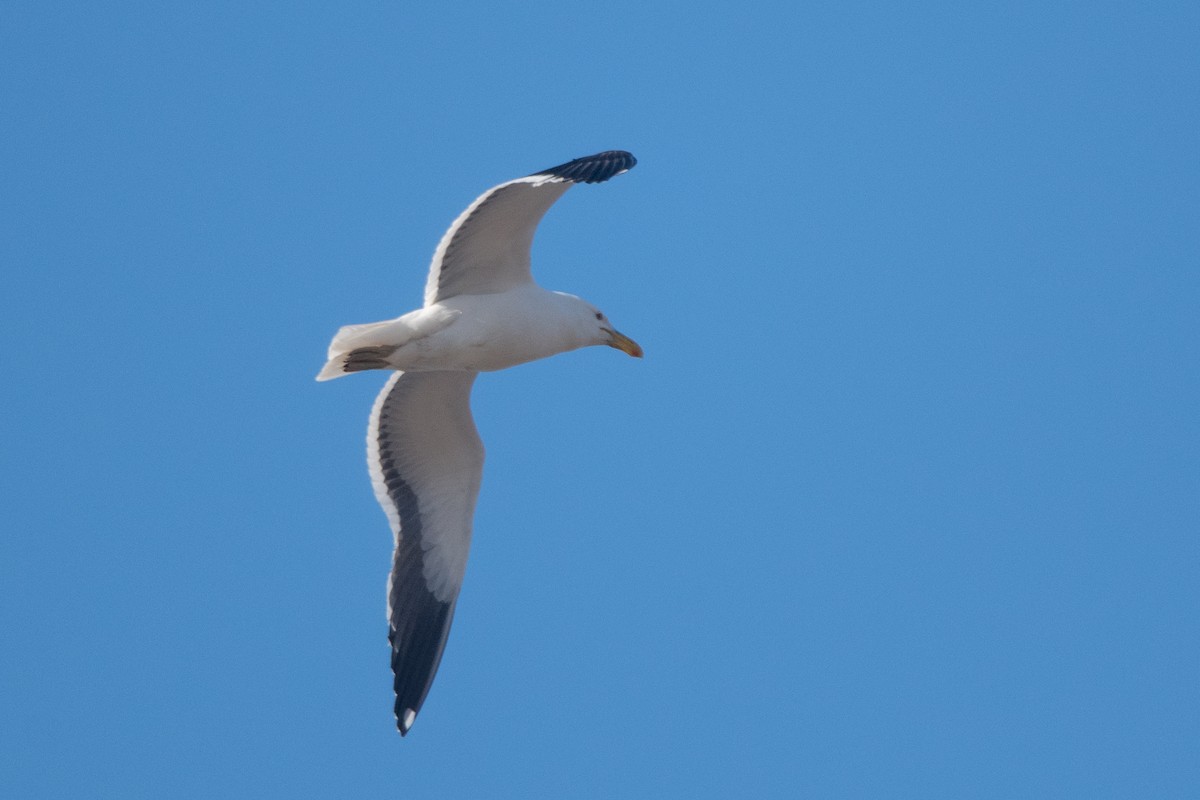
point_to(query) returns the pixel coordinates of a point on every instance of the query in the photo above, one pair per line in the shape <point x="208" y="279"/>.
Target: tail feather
<point x="361" y="347"/>
<point x="390" y="331"/>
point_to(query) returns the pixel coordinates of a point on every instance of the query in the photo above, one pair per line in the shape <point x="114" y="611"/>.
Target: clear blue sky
<point x="903" y="501"/>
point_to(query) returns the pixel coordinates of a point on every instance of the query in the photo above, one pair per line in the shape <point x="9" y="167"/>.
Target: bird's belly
<point x="468" y="346"/>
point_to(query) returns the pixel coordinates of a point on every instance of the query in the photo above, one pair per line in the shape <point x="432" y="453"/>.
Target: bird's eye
<point x="599" y="315"/>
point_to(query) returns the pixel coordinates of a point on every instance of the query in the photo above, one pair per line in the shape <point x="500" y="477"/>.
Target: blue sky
<point x="902" y="502"/>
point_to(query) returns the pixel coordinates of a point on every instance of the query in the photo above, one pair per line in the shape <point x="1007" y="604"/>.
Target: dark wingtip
<point x="593" y="169"/>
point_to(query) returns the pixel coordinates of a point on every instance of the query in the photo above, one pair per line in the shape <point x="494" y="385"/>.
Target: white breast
<point x="497" y="331"/>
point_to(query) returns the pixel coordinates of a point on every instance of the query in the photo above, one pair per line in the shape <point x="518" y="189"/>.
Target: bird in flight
<point x="482" y="312"/>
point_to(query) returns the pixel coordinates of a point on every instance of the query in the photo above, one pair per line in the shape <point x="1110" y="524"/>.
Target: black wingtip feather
<point x="420" y="622"/>
<point x="593" y="169"/>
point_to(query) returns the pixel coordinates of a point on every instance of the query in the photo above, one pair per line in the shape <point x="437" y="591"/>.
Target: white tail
<point x="372" y="342"/>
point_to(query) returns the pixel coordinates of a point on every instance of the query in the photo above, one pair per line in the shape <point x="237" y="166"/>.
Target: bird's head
<point x="594" y="328"/>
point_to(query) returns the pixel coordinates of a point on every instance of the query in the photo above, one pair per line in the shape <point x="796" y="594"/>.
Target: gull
<point x="482" y="312"/>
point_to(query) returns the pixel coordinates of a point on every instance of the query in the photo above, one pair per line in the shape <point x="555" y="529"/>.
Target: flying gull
<point x="482" y="312"/>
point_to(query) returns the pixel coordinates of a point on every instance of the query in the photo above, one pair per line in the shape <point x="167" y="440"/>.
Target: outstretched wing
<point x="425" y="459"/>
<point x="487" y="248"/>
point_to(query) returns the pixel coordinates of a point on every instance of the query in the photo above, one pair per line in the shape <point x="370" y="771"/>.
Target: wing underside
<point x="487" y="249"/>
<point x="426" y="461"/>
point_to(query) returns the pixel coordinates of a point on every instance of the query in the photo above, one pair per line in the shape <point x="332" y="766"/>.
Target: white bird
<point x="482" y="312"/>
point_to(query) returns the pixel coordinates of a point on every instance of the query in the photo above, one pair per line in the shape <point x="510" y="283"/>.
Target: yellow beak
<point x="623" y="343"/>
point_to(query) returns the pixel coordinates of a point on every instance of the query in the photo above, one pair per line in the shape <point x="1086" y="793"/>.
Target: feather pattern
<point x="426" y="461"/>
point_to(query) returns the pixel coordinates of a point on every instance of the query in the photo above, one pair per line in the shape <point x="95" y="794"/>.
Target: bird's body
<point x="479" y="332"/>
<point x="482" y="312"/>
